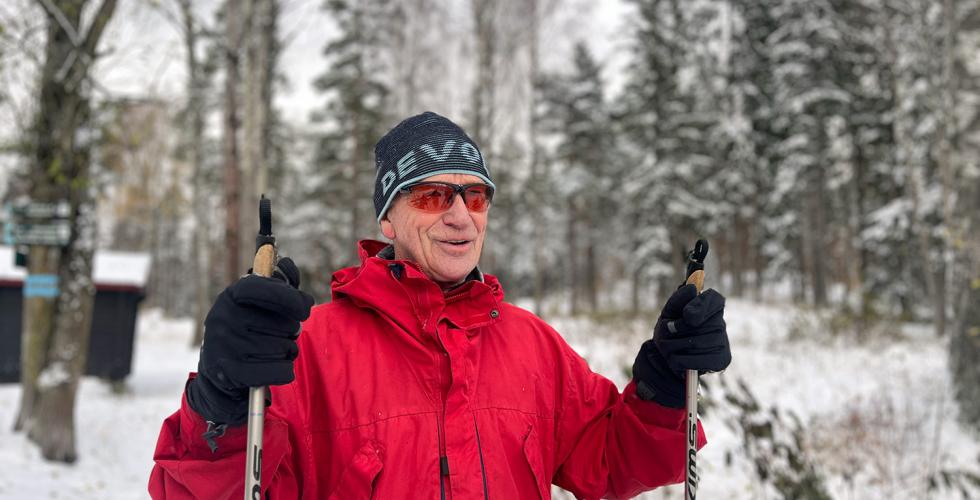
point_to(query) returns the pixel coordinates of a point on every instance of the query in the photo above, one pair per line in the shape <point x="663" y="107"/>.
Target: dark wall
<point x="110" y="352"/>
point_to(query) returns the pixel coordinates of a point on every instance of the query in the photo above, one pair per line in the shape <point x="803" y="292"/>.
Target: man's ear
<point x="387" y="228"/>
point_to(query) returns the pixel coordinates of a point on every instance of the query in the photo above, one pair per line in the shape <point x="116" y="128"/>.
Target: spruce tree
<point x="667" y="140"/>
<point x="584" y="151"/>
<point x="753" y="138"/>
<point x="353" y="118"/>
<point x="809" y="98"/>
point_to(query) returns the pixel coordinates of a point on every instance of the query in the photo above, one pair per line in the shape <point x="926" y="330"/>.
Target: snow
<point x="880" y="413"/>
<point x="885" y="403"/>
<point x="111" y="268"/>
<point x="116" y="433"/>
<point x="54" y="375"/>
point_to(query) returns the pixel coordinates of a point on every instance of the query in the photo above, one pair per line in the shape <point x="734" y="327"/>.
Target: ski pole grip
<point x="697" y="279"/>
<point x="264" y="261"/>
<point x="265" y="243"/>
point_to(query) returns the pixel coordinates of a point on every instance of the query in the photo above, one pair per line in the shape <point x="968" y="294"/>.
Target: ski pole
<point x="695" y="276"/>
<point x="262" y="265"/>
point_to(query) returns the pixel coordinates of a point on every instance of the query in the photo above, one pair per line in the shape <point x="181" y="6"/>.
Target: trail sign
<point x="40" y="210"/>
<point x="37" y="223"/>
<point x="55" y="233"/>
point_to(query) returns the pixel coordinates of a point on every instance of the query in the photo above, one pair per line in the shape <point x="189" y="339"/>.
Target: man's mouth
<point x="455" y="246"/>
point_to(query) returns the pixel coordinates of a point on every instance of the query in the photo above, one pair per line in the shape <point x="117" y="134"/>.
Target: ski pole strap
<point x="214" y="431"/>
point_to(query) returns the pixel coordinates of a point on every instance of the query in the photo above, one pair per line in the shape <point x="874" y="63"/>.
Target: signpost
<point x="56" y="233"/>
<point x="39" y="210"/>
<point x="34" y="223"/>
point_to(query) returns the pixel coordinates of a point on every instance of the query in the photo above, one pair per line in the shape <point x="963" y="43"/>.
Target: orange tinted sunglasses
<point x="436" y="197"/>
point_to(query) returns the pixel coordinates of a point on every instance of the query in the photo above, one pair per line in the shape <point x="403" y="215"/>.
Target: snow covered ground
<point x="870" y="411"/>
<point x="116" y="433"/>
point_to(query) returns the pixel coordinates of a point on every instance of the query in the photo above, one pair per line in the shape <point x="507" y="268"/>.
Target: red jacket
<point x="393" y="375"/>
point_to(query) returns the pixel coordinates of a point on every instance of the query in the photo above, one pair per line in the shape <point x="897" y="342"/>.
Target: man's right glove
<point x="249" y="341"/>
<point x="690" y="335"/>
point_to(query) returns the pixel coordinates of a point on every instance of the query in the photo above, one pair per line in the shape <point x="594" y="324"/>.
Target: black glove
<point x="249" y="340"/>
<point x="689" y="335"/>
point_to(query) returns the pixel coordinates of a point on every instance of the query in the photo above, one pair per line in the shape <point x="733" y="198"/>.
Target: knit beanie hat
<point x="422" y="146"/>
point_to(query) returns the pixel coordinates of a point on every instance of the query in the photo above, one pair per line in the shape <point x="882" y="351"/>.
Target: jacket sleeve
<point x="613" y="445"/>
<point x="185" y="467"/>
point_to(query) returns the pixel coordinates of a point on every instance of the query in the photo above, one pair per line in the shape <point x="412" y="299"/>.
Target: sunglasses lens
<point x="430" y="197"/>
<point x="478" y="198"/>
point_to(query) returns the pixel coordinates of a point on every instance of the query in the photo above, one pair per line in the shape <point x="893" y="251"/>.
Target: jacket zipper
<point x="440" y="417"/>
<point x="483" y="469"/>
<point x="443" y="459"/>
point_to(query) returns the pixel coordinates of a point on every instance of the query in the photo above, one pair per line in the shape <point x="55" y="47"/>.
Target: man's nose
<point x="457" y="212"/>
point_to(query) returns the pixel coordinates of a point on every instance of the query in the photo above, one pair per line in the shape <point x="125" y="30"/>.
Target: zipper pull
<point x="444" y="465"/>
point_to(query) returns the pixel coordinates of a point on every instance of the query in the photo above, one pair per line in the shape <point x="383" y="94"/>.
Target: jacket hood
<point x="400" y="290"/>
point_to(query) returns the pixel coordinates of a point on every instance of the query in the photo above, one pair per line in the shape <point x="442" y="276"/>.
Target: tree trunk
<point x="739" y="250"/>
<point x="571" y="267"/>
<point x="964" y="350"/>
<point x="591" y="271"/>
<point x="38" y="314"/>
<point x="819" y="235"/>
<point x="250" y="145"/>
<point x="946" y="132"/>
<point x="964" y="346"/>
<point x="57" y="326"/>
<point x="233" y="268"/>
<point x="259" y="37"/>
<point x="355" y="168"/>
<point x="964" y="226"/>
<point x="54" y="429"/>
<point x="484" y="14"/>
<point x="200" y="247"/>
<point x="535" y="186"/>
<point x="636" y="281"/>
<point x="855" y="223"/>
<point x="267" y="61"/>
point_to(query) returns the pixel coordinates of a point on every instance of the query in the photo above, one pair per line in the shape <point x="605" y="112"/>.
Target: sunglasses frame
<point x="458" y="190"/>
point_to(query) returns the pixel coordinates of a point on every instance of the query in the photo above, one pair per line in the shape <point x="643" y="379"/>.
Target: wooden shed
<point x="120" y="282"/>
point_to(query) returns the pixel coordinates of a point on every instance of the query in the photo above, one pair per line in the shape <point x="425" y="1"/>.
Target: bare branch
<point x="59" y="16"/>
<point x="98" y="26"/>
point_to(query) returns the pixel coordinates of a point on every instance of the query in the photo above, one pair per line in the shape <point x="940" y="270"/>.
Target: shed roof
<point x="126" y="269"/>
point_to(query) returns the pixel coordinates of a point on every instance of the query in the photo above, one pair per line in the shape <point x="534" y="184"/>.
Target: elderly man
<point x="417" y="380"/>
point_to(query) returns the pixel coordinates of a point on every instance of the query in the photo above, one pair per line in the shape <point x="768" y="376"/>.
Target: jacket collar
<point x="400" y="290"/>
<point x="388" y="253"/>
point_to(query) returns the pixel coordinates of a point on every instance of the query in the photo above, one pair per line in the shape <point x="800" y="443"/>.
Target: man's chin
<point x="449" y="278"/>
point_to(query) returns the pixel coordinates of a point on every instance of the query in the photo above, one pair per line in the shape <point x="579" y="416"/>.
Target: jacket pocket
<point x="357" y="480"/>
<point x="532" y="453"/>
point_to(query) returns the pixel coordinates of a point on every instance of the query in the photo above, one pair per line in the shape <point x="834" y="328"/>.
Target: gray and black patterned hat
<point x="419" y="147"/>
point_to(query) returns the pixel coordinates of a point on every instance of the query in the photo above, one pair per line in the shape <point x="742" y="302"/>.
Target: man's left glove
<point x="690" y="335"/>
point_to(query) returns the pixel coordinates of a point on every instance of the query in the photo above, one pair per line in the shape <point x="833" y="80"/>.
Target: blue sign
<point x="41" y="285"/>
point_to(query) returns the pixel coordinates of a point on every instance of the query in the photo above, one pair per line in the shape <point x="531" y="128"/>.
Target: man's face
<point x="445" y="245"/>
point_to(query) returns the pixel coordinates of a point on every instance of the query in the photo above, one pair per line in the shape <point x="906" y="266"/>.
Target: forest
<point x="829" y="151"/>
